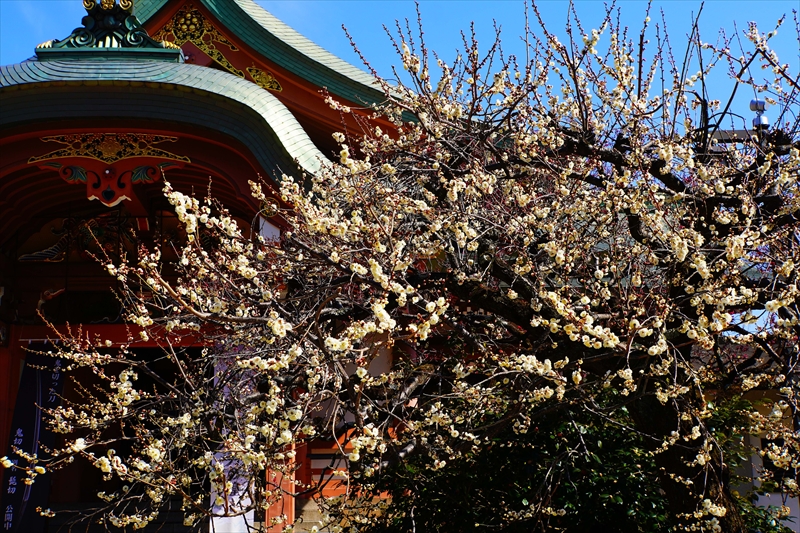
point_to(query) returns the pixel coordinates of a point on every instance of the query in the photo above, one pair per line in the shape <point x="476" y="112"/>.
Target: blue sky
<point x="25" y="23"/>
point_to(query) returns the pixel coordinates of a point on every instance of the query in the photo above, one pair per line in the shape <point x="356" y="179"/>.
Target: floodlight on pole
<point x="761" y="121"/>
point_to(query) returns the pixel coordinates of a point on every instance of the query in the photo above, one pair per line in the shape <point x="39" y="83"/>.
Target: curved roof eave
<point x="279" y="43"/>
<point x="292" y="146"/>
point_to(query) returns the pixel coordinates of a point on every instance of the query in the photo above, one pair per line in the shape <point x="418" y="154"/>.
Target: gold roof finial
<point x="108" y="5"/>
<point x="108" y="27"/>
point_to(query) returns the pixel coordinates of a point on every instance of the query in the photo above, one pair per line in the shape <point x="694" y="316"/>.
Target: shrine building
<point x="208" y="94"/>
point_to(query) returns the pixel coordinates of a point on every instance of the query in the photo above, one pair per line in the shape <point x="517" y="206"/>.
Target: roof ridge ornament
<point x="108" y="5"/>
<point x="109" y="27"/>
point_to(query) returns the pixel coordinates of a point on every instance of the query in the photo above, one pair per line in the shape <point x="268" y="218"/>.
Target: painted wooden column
<point x="282" y="512"/>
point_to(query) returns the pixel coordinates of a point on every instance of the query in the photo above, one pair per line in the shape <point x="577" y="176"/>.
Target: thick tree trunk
<point x="709" y="482"/>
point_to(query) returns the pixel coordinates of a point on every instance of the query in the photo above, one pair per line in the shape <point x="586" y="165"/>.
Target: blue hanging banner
<point x="41" y="385"/>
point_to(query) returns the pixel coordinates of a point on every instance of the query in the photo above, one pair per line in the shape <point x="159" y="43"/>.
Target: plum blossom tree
<point x="551" y="253"/>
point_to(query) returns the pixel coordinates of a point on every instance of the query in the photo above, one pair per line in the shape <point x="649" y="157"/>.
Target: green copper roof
<point x="284" y="46"/>
<point x="176" y="92"/>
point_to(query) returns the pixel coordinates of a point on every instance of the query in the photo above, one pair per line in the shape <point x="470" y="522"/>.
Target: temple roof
<point x="237" y="31"/>
<point x="270" y="118"/>
<point x="104" y="78"/>
<point x="113" y="34"/>
<point x="238" y="101"/>
<point x="284" y="46"/>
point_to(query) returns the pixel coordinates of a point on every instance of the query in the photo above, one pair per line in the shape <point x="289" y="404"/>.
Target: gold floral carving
<point x="108" y="5"/>
<point x="190" y="25"/>
<point x="109" y="147"/>
<point x="264" y="79"/>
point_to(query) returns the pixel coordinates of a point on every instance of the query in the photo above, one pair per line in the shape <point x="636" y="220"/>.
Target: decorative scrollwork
<point x="144" y="174"/>
<point x="190" y="25"/>
<point x="136" y="38"/>
<point x="82" y="38"/>
<point x="102" y="232"/>
<point x="70" y="174"/>
<point x="264" y="79"/>
<point x="107" y="25"/>
<point x="109" y="164"/>
<point x="109" y="147"/>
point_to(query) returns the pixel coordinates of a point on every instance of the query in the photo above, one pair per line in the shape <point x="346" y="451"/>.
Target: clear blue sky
<point x="25" y="23"/>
